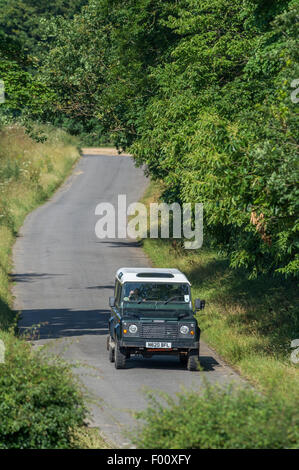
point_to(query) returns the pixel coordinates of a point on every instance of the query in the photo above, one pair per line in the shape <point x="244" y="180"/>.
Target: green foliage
<point x="98" y="65"/>
<point x="21" y="29"/>
<point x="20" y="19"/>
<point x="218" y="419"/>
<point x="24" y="94"/>
<point x="40" y="403"/>
<point x="200" y="92"/>
<point x="249" y="322"/>
<point x="222" y="130"/>
<point x="75" y="69"/>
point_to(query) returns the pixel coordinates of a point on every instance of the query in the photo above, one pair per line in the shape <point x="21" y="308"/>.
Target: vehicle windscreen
<point x="156" y="292"/>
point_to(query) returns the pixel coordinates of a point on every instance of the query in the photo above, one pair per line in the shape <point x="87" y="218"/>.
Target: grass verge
<point x="250" y="323"/>
<point x="30" y="171"/>
<point x="41" y="403"/>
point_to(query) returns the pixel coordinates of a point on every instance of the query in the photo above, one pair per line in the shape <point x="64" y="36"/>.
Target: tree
<point x="200" y="93"/>
<point x="20" y="19"/>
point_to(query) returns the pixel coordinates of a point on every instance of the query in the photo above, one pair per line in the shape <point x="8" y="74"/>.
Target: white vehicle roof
<point x="151" y="275"/>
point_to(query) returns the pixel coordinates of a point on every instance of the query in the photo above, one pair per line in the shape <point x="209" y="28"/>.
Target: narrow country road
<point x="63" y="278"/>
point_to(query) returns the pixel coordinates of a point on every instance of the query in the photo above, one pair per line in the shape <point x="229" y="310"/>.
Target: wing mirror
<point x="111" y="301"/>
<point x="199" y="304"/>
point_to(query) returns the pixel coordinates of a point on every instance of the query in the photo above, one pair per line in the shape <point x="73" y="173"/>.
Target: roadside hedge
<point x="41" y="405"/>
<point x="219" y="418"/>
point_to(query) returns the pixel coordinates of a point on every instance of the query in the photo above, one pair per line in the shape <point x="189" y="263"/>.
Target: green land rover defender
<point x="152" y="313"/>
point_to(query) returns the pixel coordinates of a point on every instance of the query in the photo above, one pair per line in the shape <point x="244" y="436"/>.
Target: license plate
<point x="158" y="345"/>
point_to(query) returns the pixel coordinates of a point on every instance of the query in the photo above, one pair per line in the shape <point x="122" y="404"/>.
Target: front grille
<point x="159" y="330"/>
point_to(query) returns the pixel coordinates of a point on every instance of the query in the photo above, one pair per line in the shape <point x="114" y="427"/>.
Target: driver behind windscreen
<point x="134" y="294"/>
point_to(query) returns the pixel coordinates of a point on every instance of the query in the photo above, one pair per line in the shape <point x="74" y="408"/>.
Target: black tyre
<point x="193" y="360"/>
<point x="120" y="357"/>
<point x="183" y="359"/>
<point x="111" y="353"/>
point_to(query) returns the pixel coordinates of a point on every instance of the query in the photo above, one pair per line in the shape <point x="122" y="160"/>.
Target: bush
<point x="40" y="403"/>
<point x="218" y="419"/>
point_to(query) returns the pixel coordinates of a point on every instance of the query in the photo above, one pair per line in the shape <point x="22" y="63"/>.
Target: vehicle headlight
<point x="184" y="329"/>
<point x="133" y="329"/>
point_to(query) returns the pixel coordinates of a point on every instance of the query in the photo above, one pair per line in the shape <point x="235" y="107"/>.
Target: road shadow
<point x="61" y="323"/>
<point x="122" y="244"/>
<point x="31" y="277"/>
<point x="7" y="316"/>
<point x="156" y="362"/>
<point x="208" y="363"/>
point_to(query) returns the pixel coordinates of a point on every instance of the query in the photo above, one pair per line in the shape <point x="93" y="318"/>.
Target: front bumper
<point x="177" y="344"/>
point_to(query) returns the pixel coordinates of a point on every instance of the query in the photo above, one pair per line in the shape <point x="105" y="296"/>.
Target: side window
<point x="117" y="293"/>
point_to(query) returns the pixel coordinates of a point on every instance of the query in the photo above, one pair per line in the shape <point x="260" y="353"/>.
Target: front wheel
<point x="120" y="358"/>
<point x="193" y="360"/>
<point x="183" y="359"/>
<point x="111" y="353"/>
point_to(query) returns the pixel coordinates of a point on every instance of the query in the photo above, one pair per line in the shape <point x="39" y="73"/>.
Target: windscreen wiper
<point x="171" y="298"/>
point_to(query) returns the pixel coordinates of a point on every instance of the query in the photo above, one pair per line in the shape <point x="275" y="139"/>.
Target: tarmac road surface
<point x="64" y="276"/>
